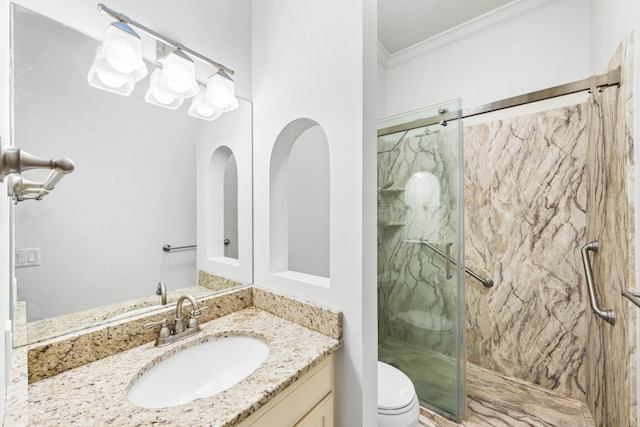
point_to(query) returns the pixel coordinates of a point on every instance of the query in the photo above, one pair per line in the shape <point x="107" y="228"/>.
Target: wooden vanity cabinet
<point x="306" y="403"/>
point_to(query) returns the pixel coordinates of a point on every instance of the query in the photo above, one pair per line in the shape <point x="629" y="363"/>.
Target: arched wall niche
<point x="299" y="207"/>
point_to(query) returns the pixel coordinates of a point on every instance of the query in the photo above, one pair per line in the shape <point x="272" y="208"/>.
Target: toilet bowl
<point x="398" y="404"/>
<point x="424" y="329"/>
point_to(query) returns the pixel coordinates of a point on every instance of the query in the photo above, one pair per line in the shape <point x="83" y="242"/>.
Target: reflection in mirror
<point x="99" y="236"/>
<point x="231" y="208"/>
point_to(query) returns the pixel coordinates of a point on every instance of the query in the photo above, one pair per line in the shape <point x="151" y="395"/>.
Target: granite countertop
<point x="96" y="393"/>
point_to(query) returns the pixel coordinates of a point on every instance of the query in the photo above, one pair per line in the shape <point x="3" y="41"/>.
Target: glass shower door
<point x="421" y="298"/>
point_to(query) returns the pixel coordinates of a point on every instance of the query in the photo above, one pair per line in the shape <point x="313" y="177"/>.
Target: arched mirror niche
<point x="299" y="204"/>
<point x="225" y="229"/>
<point x="230" y="214"/>
<point x="222" y="207"/>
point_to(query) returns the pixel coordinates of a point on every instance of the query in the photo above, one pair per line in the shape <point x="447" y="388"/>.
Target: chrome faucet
<point x="193" y="318"/>
<point x="169" y="334"/>
<point x="162" y="291"/>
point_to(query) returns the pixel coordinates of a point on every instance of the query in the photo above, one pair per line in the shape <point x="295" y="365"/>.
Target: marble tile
<point x="19" y="327"/>
<point x="417" y="176"/>
<point x="500" y="401"/>
<point x="52" y="357"/>
<point x="215" y="282"/>
<point x="525" y="201"/>
<point x="611" y="350"/>
<point x="312" y="316"/>
<point x="95" y="394"/>
<point x="49" y="358"/>
<point x="60" y="325"/>
<point x="16" y="400"/>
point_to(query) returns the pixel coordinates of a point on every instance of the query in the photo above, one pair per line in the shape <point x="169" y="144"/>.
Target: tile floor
<point x="494" y="400"/>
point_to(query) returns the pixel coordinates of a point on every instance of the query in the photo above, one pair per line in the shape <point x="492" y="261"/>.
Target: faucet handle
<point x="164" y="330"/>
<point x="193" y="317"/>
<point x="197" y="313"/>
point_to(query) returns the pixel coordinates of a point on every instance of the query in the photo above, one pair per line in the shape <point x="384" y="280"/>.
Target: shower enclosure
<point x="421" y="299"/>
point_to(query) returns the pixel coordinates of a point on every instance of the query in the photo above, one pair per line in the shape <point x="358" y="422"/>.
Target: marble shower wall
<point x="537" y="189"/>
<point x="417" y="179"/>
<point x="611" y="350"/>
<point x="525" y="201"/>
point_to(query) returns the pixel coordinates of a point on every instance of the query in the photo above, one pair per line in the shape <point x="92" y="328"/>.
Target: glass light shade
<point x="220" y="90"/>
<point x="118" y="63"/>
<point x="202" y="108"/>
<point x="114" y="83"/>
<point x="232" y="106"/>
<point x="161" y="97"/>
<point x="179" y="74"/>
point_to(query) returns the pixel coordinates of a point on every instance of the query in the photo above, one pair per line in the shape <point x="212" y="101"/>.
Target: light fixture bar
<point x="124" y="18"/>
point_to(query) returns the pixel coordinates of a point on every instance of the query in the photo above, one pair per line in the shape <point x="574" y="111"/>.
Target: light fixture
<point x="179" y="74"/>
<point x="220" y="90"/>
<point x="159" y="95"/>
<point x="118" y="63"/>
<point x="202" y="108"/>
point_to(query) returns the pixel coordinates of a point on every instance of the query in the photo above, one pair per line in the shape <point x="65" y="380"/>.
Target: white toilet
<point x="398" y="404"/>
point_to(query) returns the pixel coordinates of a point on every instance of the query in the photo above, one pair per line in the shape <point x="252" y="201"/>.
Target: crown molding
<point x="469" y="29"/>
<point x="383" y="55"/>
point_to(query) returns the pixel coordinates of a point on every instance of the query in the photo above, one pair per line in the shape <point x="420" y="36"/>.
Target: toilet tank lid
<point x="395" y="389"/>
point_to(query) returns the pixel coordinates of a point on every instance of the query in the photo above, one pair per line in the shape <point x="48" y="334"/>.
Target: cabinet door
<point x="298" y="401"/>
<point x="320" y="416"/>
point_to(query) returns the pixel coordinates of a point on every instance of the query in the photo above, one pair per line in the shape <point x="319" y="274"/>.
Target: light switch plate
<point x="27" y="257"/>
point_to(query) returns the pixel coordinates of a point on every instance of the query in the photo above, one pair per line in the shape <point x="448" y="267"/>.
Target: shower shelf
<point x="391" y="225"/>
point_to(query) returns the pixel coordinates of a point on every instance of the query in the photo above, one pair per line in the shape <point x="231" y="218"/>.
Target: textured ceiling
<point x="403" y="23"/>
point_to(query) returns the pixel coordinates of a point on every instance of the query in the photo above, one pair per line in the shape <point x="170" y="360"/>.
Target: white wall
<point x="308" y="63"/>
<point x="610" y="20"/>
<point x="308" y="216"/>
<point x="5" y="133"/>
<point x="543" y="48"/>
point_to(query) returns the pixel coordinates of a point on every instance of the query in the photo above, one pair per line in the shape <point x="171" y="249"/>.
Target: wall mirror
<point x="98" y="236"/>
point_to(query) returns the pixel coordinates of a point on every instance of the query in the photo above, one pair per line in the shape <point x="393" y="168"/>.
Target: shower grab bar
<point x="487" y="282"/>
<point x="607" y="315"/>
<point x="634" y="297"/>
<point x="169" y="248"/>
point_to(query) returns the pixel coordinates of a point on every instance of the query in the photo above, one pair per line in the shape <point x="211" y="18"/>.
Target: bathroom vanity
<point x="294" y="383"/>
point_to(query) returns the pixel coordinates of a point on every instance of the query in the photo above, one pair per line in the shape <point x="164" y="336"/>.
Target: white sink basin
<point x="199" y="371"/>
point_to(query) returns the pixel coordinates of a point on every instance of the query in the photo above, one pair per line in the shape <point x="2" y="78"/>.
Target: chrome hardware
<point x="179" y="325"/>
<point x="227" y="241"/>
<point x="487" y="282"/>
<point x="164" y="332"/>
<point x="634" y="297"/>
<point x="611" y="78"/>
<point x="447" y="260"/>
<point x="172" y="333"/>
<point x="15" y="161"/>
<point x="162" y="291"/>
<point x="607" y="315"/>
<point x="169" y="248"/>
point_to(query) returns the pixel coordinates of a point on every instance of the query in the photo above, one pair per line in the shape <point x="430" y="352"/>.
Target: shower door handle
<point x="608" y="315"/>
<point x="447" y="260"/>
